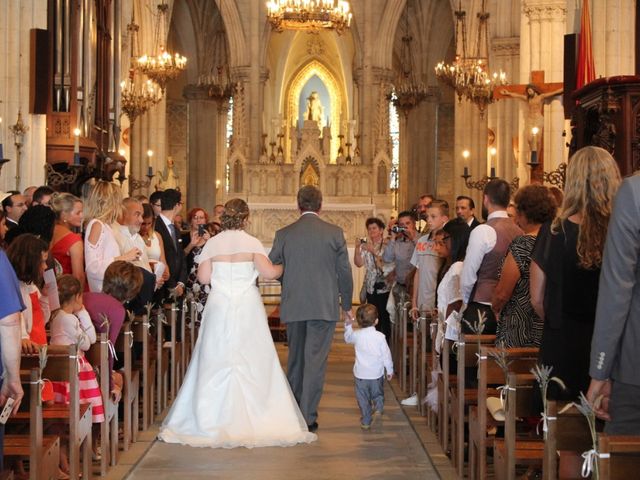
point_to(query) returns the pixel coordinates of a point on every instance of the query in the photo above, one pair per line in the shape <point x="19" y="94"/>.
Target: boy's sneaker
<point x="411" y="401"/>
<point x="364" y="426"/>
<point x="375" y="418"/>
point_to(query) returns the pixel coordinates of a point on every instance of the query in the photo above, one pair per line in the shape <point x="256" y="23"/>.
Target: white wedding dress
<point x="235" y="392"/>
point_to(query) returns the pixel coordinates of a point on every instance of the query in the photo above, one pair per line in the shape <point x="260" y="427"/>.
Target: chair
<point x="460" y="396"/>
<point x="98" y="356"/>
<point x="147" y="366"/>
<point x="516" y="449"/>
<point x="619" y="456"/>
<point x="62" y="366"/>
<point x="568" y="436"/>
<point x="43" y="450"/>
<point x="131" y="387"/>
<point x="490" y="373"/>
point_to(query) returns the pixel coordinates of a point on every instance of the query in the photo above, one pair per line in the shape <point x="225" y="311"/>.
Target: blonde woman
<point x="565" y="267"/>
<point x="104" y="206"/>
<point x="66" y="245"/>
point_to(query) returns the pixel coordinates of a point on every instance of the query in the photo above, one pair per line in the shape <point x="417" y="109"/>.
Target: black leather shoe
<point x="313" y="428"/>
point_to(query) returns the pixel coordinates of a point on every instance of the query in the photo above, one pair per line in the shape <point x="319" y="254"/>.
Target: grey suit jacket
<point x="316" y="270"/>
<point x="616" y="335"/>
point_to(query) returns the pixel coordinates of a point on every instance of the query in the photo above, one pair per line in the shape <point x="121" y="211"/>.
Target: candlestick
<point x="150" y="171"/>
<point x="466" y="171"/>
<point x="493" y="172"/>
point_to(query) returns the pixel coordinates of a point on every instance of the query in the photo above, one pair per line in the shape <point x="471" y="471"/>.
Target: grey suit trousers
<point x="309" y="344"/>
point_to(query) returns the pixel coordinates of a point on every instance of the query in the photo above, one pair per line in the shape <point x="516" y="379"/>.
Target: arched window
<point x="227" y="177"/>
<point x="230" y="122"/>
<point x="394" y="133"/>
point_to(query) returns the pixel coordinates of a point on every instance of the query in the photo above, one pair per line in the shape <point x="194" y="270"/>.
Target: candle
<point x="150" y="171"/>
<point x="76" y="140"/>
<point x="466" y="172"/>
<point x="493" y="172"/>
<point x="534" y="140"/>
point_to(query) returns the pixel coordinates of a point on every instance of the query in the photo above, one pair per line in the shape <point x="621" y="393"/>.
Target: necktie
<point x="174" y="235"/>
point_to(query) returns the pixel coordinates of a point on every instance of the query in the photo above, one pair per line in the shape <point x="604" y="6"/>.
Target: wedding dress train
<point x="235" y="392"/>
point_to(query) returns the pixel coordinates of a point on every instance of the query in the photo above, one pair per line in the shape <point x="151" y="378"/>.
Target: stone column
<point x="613" y="30"/>
<point x="419" y="171"/>
<point x="203" y="144"/>
<point x="470" y="134"/>
<point x="503" y="115"/>
<point x="542" y="48"/>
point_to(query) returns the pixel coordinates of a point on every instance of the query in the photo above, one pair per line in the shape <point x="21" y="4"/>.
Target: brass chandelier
<point x="217" y="81"/>
<point x="309" y="15"/>
<point x="162" y="66"/>
<point x="408" y="92"/>
<point x="471" y="77"/>
<point x="136" y="95"/>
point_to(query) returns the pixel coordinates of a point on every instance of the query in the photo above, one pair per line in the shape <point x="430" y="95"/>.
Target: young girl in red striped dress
<point x="71" y="324"/>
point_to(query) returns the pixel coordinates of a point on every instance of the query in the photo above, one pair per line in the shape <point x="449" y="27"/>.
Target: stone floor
<point x="395" y="448"/>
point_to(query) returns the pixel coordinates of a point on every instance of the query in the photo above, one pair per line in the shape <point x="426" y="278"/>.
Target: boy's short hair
<point x="442" y="205"/>
<point x="366" y="315"/>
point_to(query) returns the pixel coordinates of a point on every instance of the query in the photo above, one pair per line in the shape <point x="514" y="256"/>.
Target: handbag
<point x="363" y="292"/>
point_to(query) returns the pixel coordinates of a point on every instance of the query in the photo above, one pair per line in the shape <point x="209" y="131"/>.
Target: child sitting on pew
<point x="372" y="358"/>
<point x="72" y="325"/>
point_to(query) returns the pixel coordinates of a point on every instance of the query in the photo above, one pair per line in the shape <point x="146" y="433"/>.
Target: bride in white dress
<point x="235" y="393"/>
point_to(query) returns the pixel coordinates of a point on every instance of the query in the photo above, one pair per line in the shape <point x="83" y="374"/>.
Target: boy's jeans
<point x="368" y="393"/>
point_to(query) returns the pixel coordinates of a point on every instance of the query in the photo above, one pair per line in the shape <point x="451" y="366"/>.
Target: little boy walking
<point x="372" y="358"/>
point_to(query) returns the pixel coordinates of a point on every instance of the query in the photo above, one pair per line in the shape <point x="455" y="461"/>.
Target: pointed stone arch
<point x="297" y="83"/>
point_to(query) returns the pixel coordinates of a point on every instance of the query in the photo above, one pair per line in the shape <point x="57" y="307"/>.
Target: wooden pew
<point x="444" y="393"/>
<point x="568" y="436"/>
<point x="619" y="456"/>
<point x="513" y="449"/>
<point x="98" y="356"/>
<point x="430" y="361"/>
<point x="62" y="366"/>
<point x="490" y="373"/>
<point x="130" y="388"/>
<point x="161" y="361"/>
<point x="459" y="396"/>
<point x="403" y="350"/>
<point x="147" y="366"/>
<point x="43" y="450"/>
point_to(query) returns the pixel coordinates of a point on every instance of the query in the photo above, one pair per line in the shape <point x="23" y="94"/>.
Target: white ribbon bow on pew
<point x="589" y="463"/>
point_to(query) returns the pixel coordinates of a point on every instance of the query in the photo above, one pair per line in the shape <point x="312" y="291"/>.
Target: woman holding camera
<point x="194" y="241"/>
<point x="377" y="284"/>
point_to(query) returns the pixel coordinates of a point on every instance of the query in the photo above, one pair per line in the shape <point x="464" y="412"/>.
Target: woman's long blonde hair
<point x="104" y="203"/>
<point x="592" y="181"/>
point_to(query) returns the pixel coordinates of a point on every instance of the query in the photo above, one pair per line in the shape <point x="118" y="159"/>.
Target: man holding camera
<point x="400" y="249"/>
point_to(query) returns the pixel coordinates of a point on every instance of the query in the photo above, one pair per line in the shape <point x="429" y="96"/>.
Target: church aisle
<point x="391" y="450"/>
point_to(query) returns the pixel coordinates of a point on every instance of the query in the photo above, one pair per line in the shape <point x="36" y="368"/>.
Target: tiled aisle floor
<point x="391" y="450"/>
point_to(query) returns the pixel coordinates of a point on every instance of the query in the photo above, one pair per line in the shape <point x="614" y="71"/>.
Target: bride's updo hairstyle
<point x="236" y="212"/>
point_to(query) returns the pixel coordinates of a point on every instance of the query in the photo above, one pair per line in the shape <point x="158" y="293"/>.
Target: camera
<point x="398" y="229"/>
<point x="201" y="230"/>
<point x="363" y="240"/>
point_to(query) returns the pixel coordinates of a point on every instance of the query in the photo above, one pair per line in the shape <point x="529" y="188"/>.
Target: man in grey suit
<point x="615" y="363"/>
<point x="315" y="283"/>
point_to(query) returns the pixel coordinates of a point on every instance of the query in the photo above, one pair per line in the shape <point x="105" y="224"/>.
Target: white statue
<point x="315" y="110"/>
<point x="168" y="178"/>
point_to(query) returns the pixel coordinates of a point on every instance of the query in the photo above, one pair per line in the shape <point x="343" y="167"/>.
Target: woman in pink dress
<point x="66" y="245"/>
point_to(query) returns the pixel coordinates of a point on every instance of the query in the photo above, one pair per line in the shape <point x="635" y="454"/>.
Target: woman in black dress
<point x="565" y="268"/>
